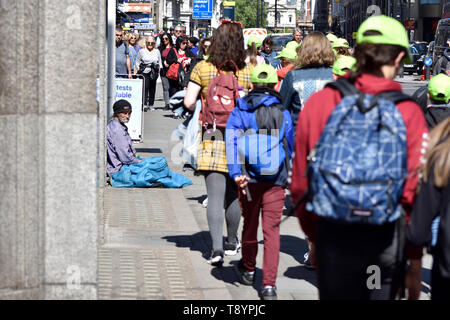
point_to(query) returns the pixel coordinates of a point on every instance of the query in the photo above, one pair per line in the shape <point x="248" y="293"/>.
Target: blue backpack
<point x="263" y="148"/>
<point x="358" y="168"/>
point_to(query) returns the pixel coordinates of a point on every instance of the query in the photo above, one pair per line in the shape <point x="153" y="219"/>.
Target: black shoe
<point x="216" y="259"/>
<point x="269" y="293"/>
<point x="246" y="277"/>
<point x="167" y="107"/>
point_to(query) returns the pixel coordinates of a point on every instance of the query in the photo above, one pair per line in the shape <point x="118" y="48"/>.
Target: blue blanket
<point x="145" y="174"/>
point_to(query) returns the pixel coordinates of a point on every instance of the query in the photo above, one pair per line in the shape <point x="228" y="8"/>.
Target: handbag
<point x="173" y="71"/>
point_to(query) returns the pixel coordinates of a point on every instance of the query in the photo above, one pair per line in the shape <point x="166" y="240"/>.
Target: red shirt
<point x="312" y="121"/>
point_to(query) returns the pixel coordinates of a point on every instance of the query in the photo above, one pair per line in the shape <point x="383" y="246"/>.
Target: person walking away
<point x="379" y="139"/>
<point x="182" y="55"/>
<point x="259" y="118"/>
<point x="123" y="62"/>
<point x="432" y="202"/>
<point x="342" y="66"/>
<point x="439" y="96"/>
<point x="164" y="48"/>
<point x="119" y="146"/>
<point x="312" y="72"/>
<point x="268" y="53"/>
<point x="149" y="61"/>
<point x="226" y="52"/>
<point x="287" y="57"/>
<point x="253" y="52"/>
<point x="340" y="47"/>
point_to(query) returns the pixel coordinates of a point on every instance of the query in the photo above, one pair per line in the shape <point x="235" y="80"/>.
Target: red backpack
<point x="220" y="99"/>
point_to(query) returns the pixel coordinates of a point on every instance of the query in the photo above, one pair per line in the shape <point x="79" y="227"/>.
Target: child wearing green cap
<point x="257" y="117"/>
<point x="347" y="245"/>
<point x="253" y="51"/>
<point x="439" y="95"/>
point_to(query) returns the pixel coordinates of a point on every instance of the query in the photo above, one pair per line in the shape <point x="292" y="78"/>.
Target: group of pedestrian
<point x="330" y="135"/>
<point x="152" y="57"/>
<point x="355" y="144"/>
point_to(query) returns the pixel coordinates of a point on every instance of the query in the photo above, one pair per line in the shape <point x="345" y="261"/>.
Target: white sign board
<point x="260" y="33"/>
<point x="131" y="90"/>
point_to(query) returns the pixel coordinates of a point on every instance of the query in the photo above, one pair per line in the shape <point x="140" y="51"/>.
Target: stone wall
<point x="52" y="147"/>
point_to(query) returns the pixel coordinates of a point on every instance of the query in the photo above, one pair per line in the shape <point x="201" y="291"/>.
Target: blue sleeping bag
<point x="145" y="174"/>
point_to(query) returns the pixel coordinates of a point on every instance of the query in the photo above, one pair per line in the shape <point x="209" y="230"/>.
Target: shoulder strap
<point x="345" y="87"/>
<point x="396" y="96"/>
<point x="176" y="52"/>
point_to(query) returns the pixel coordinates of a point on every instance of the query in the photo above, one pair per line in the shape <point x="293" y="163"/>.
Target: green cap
<point x="254" y="39"/>
<point x="292" y="45"/>
<point x="340" y="43"/>
<point x="288" y="53"/>
<point x="272" y="76"/>
<point x="331" y="37"/>
<point x="439" y="88"/>
<point x="342" y="63"/>
<point x="392" y="32"/>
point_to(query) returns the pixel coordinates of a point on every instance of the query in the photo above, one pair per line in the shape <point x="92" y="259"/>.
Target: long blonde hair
<point x="438" y="155"/>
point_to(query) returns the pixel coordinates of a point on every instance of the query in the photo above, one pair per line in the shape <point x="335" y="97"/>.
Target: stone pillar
<point x="50" y="120"/>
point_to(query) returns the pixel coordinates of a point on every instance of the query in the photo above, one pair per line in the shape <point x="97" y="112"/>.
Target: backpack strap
<point x="396" y="96"/>
<point x="344" y="86"/>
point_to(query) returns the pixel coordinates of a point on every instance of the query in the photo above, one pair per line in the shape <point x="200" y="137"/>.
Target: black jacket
<point x="436" y="113"/>
<point x="430" y="203"/>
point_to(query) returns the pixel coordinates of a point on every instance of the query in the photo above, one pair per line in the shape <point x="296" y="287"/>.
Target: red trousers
<point x="269" y="199"/>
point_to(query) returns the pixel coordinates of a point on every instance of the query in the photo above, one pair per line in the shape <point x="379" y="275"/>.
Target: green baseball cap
<point x="331" y="37"/>
<point x="391" y="32"/>
<point x="342" y="63"/>
<point x="271" y="77"/>
<point x="340" y="43"/>
<point x="254" y="39"/>
<point x="292" y="45"/>
<point x="288" y="53"/>
<point x="439" y="88"/>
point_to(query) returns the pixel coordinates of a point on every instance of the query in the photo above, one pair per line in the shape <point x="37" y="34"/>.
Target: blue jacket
<point x="240" y="121"/>
<point x="300" y="84"/>
<point x="271" y="57"/>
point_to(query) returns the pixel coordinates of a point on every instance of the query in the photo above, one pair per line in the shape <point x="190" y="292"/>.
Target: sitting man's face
<point x="124" y="117"/>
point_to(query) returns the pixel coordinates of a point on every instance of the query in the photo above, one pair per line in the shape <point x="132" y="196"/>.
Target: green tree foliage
<point x="245" y="12"/>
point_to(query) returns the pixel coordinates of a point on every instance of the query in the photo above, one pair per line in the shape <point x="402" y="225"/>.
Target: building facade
<point x="286" y="12"/>
<point x="421" y="16"/>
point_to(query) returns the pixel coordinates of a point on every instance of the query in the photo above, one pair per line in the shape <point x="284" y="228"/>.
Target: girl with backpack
<point x="433" y="201"/>
<point x="356" y="194"/>
<point x="227" y="55"/>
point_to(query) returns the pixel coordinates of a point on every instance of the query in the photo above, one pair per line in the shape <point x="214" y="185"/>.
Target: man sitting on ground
<point x="119" y="146"/>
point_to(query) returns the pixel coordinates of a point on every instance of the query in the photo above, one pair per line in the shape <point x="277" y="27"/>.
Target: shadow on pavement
<point x="297" y="247"/>
<point x="199" y="241"/>
<point x="199" y="199"/>
<point x="230" y="275"/>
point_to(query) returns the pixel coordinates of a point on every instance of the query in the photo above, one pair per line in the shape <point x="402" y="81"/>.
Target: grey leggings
<point x="165" y="84"/>
<point x="222" y="194"/>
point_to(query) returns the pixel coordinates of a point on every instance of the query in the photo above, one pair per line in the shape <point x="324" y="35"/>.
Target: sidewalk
<point x="157" y="240"/>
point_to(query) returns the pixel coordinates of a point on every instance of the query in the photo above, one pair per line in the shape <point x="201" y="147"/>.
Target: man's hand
<point x="413" y="279"/>
<point x="242" y="182"/>
<point x="130" y="76"/>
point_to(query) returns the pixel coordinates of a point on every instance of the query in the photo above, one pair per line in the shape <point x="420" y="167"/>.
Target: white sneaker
<point x="205" y="203"/>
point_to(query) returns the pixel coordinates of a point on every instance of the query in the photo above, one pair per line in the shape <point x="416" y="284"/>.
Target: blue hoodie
<point x="240" y="120"/>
